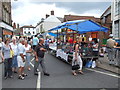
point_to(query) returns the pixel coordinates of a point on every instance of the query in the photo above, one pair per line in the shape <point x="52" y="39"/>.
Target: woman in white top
<point x="77" y="57"/>
<point x="14" y="47"/>
<point x="28" y="53"/>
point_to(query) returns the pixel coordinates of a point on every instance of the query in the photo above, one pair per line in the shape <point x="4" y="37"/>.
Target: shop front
<point x="6" y="34"/>
<point x="6" y="30"/>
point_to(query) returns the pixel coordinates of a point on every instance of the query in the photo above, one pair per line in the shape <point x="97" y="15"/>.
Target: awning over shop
<point x="82" y="26"/>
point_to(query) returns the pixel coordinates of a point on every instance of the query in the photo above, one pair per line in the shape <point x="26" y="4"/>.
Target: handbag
<point x="11" y="52"/>
<point x="75" y="66"/>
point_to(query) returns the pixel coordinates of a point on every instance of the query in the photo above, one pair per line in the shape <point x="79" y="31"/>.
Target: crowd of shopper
<point x="16" y="54"/>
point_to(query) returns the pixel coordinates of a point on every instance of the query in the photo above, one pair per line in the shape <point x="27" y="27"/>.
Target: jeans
<point x="14" y="61"/>
<point x="42" y="62"/>
<point x="28" y="56"/>
<point x="8" y="67"/>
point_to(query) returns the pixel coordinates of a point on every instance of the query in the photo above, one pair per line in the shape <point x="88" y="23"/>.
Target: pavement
<point x="61" y="77"/>
<point x="103" y="63"/>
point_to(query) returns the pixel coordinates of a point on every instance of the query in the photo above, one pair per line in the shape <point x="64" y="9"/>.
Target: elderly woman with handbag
<point x="77" y="61"/>
<point x="8" y="53"/>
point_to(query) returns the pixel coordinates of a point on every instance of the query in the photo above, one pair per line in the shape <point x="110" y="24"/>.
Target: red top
<point x="70" y="40"/>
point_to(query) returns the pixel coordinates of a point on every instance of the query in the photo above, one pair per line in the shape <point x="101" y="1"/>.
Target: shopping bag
<point x="89" y="64"/>
<point x="93" y="64"/>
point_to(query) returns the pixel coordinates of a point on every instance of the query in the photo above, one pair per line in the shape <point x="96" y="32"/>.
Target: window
<point x="119" y="7"/>
<point x="33" y="32"/>
<point x="116" y="29"/>
<point x="116" y="8"/>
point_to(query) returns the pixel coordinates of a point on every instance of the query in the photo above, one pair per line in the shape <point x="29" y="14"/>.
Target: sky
<point x="27" y="12"/>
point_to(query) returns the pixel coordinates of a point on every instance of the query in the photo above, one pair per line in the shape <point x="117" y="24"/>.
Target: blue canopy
<point x="52" y="34"/>
<point x="55" y="35"/>
<point x="65" y="24"/>
<point x="82" y="26"/>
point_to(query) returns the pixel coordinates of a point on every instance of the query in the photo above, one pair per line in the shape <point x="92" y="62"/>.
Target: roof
<point x="28" y="26"/>
<point x="109" y="8"/>
<point x="61" y="19"/>
<point x="76" y="17"/>
<point x="52" y="18"/>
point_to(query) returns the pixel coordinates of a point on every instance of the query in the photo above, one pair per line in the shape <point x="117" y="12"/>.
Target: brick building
<point x="89" y="34"/>
<point x="6" y="29"/>
<point x="106" y="21"/>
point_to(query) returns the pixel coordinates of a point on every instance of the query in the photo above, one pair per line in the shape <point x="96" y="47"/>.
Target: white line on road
<point x="116" y="76"/>
<point x="33" y="59"/>
<point x="38" y="81"/>
<point x="31" y="64"/>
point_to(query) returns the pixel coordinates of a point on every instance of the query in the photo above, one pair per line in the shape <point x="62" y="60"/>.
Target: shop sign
<point x="5" y="32"/>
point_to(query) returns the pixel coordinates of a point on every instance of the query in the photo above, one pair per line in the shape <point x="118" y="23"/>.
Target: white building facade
<point x="115" y="7"/>
<point x="29" y="30"/>
<point x="48" y="23"/>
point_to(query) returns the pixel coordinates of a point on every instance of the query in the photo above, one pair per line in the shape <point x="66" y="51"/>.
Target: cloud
<point x="26" y="12"/>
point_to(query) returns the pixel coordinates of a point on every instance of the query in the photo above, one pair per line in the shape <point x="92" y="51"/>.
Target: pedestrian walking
<point x="35" y="42"/>
<point x="28" y="53"/>
<point x="110" y="48"/>
<point x="7" y="60"/>
<point x="39" y="55"/>
<point x="77" y="57"/>
<point x="14" y="59"/>
<point x="21" y="59"/>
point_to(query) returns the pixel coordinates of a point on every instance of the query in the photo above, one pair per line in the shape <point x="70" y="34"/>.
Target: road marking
<point x="33" y="59"/>
<point x="38" y="81"/>
<point x="31" y="64"/>
<point x="116" y="76"/>
<point x="39" y="77"/>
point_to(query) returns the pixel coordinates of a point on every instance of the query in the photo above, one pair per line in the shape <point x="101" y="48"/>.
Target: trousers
<point x="8" y="67"/>
<point x="41" y="61"/>
<point x="79" y="61"/>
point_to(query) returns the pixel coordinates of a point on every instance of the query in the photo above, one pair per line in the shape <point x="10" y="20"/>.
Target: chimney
<point x="47" y="15"/>
<point x="18" y="26"/>
<point x="14" y="25"/>
<point x="52" y="12"/>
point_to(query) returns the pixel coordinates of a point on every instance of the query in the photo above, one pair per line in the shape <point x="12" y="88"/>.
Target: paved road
<point x="61" y="77"/>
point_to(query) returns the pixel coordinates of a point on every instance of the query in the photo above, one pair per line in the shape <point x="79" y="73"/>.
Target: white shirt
<point x="27" y="48"/>
<point x="14" y="48"/>
<point x="21" y="49"/>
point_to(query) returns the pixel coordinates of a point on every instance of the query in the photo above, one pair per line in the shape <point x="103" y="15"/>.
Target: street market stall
<point x="80" y="27"/>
